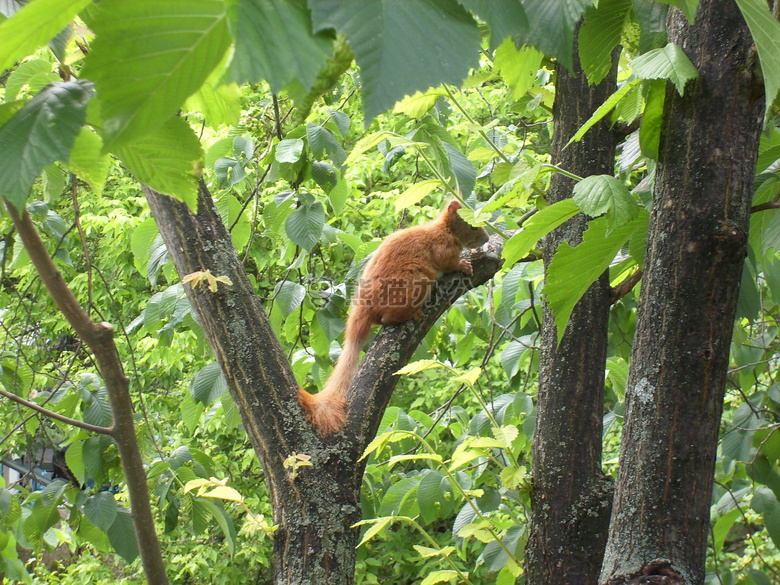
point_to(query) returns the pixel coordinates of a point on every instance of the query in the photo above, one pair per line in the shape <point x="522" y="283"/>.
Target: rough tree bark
<point x="696" y="246"/>
<point x="571" y="495"/>
<point x="316" y="506"/>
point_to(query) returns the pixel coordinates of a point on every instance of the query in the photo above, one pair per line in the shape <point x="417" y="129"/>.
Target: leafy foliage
<point x="306" y="201"/>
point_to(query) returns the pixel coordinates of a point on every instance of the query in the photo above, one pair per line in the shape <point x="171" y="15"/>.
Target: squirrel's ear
<point x="453" y="206"/>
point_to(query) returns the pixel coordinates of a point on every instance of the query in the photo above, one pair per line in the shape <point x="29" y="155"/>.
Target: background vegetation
<point x="307" y="194"/>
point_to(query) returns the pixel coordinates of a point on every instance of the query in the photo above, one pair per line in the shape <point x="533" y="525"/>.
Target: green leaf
<point x="551" y="26"/>
<point x="419" y="366"/>
<point x="388" y="36"/>
<point x="304" y="226"/>
<point x="7" y="111"/>
<point x="209" y="384"/>
<point x="98" y="410"/>
<point x="41" y="518"/>
<point x="462" y="169"/>
<point x="321" y="141"/>
<point x="41" y="132"/>
<point x="517" y="67"/>
<point x="722" y="527"/>
<point x="101" y="509"/>
<point x="400" y="498"/>
<point x="289" y="150"/>
<point x="35" y="24"/>
<point x="538" y="226"/>
<point x="604" y="194"/>
<point x="434" y="496"/>
<point x="766" y="34"/>
<point x="148" y="56"/>
<point x="122" y="536"/>
<point x="417" y="105"/>
<point x="191" y="411"/>
<point x="141" y="243"/>
<point x="504" y="19"/>
<point x="378" y="525"/>
<point x="669" y="63"/>
<point x="604" y="109"/>
<point x="274" y="42"/>
<point x="75" y="459"/>
<point x="573" y="270"/>
<point x="445" y="576"/>
<point x="35" y="74"/>
<point x="288" y="296"/>
<point x="87" y="161"/>
<point x="168" y="159"/>
<point x="599" y="34"/>
<point x="510" y="357"/>
<point x="764" y="502"/>
<point x="325" y="176"/>
<point x="652" y="120"/>
<point x="220" y="103"/>
<point x="416" y="193"/>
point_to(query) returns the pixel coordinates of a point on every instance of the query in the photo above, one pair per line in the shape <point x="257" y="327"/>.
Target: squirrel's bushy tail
<point x="327" y="410"/>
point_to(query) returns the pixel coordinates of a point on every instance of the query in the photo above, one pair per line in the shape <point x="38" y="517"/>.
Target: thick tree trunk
<point x="571" y="495"/>
<point x="696" y="246"/>
<point x="314" y="506"/>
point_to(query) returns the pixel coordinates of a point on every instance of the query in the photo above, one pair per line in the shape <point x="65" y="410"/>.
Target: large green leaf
<point x="651" y="17"/>
<point x="39" y="521"/>
<point x="122" y="536"/>
<point x="101" y="509"/>
<point x="537" y="227"/>
<point x="41" y="132"/>
<point x="392" y="44"/>
<point x="148" y="57"/>
<point x="288" y="296"/>
<point x="551" y="26"/>
<point x="650" y="126"/>
<point x="517" y="67"/>
<point x="599" y="34"/>
<point x="274" y="42"/>
<point x="168" y="159"/>
<point x="434" y="496"/>
<point x="87" y="160"/>
<point x="604" y="109"/>
<point x="505" y="19"/>
<point x="766" y="33"/>
<point x="670" y="63"/>
<point x="35" y="74"/>
<point x="765" y="502"/>
<point x="573" y="270"/>
<point x="209" y="384"/>
<point x="304" y="226"/>
<point x="35" y="24"/>
<point x="604" y="194"/>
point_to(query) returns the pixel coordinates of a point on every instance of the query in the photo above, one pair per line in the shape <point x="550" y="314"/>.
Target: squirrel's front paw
<point x="465" y="267"/>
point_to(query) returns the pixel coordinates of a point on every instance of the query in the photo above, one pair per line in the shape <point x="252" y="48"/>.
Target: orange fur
<point x="395" y="284"/>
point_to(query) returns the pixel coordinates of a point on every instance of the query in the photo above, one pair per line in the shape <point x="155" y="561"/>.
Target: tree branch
<point x="765" y="206"/>
<point x="624" y="287"/>
<point x="56" y="416"/>
<point x="375" y="379"/>
<point x="100" y="339"/>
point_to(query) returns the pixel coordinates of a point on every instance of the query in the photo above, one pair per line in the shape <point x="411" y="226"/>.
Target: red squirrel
<point x="393" y="288"/>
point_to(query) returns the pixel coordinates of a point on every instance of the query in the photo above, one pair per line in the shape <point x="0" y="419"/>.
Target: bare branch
<point x="625" y="287"/>
<point x="56" y="416"/>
